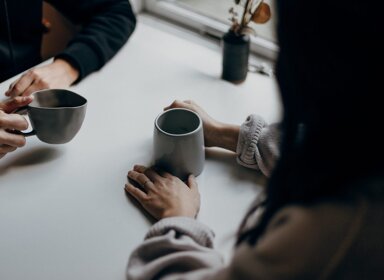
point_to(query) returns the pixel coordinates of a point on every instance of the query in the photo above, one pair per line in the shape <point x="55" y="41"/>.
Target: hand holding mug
<point x="210" y="125"/>
<point x="216" y="134"/>
<point x="10" y="122"/>
<point x="56" y="115"/>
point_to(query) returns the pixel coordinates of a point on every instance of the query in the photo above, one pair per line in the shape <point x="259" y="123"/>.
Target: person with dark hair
<point x="322" y="213"/>
<point x="105" y="27"/>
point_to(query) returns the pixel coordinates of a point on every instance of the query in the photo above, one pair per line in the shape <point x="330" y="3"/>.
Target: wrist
<point x="71" y="73"/>
<point x="225" y="136"/>
<point x="174" y="213"/>
<point x="212" y="134"/>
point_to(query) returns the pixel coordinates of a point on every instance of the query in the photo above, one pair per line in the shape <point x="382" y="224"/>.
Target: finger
<point x="9" y="90"/>
<point x="12" y="84"/>
<point x="187" y="104"/>
<point x="164" y="174"/>
<point x="191" y="105"/>
<point x="149" y="172"/>
<point x="153" y="175"/>
<point x="139" y="168"/>
<point x="10" y="139"/>
<point x="12" y="121"/>
<point x="6" y="149"/>
<point x="146" y="171"/>
<point x="138" y="194"/>
<point x="192" y="183"/>
<point x="175" y="104"/>
<point x="35" y="86"/>
<point x="21" y="85"/>
<point x="14" y="103"/>
<point x="141" y="179"/>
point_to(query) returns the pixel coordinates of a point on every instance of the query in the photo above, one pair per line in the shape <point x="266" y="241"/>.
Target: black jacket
<point x="106" y="26"/>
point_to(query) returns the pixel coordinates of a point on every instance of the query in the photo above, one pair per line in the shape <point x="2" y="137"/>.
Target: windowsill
<point x="205" y="25"/>
<point x="196" y="37"/>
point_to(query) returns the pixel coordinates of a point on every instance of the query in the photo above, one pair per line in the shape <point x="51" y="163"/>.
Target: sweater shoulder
<point x="299" y="242"/>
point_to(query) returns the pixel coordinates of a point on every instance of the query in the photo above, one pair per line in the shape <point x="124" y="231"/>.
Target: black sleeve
<point x="106" y="26"/>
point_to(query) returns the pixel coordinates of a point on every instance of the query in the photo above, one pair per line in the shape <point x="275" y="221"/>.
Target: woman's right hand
<point x="210" y="125"/>
<point x="216" y="134"/>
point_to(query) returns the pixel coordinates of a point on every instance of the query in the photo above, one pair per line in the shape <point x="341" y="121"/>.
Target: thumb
<point x="14" y="103"/>
<point x="175" y="104"/>
<point x="192" y="183"/>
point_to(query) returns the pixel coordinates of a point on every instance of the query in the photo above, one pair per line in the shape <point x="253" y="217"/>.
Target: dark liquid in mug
<point x="57" y="99"/>
<point x="178" y="122"/>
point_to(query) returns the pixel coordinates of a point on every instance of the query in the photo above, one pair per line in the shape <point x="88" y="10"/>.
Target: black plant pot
<point x="235" y="57"/>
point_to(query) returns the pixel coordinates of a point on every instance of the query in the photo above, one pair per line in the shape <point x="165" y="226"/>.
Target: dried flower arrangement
<point x="254" y="11"/>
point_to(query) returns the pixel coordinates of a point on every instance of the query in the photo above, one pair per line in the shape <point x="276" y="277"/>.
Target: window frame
<point x="206" y="25"/>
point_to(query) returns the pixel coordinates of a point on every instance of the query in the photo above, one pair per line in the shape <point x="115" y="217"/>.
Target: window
<point x="212" y="17"/>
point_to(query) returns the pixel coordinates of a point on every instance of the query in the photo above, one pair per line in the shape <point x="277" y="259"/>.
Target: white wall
<point x="137" y="5"/>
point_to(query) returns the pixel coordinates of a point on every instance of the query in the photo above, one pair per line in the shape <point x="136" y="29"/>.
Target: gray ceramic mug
<point x="179" y="142"/>
<point x="56" y="115"/>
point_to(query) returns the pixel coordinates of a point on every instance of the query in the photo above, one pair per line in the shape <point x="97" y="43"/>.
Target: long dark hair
<point x="330" y="88"/>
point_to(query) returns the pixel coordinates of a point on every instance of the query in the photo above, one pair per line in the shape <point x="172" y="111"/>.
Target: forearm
<point x="69" y="73"/>
<point x="255" y="142"/>
<point x="224" y="136"/>
<point x="106" y="26"/>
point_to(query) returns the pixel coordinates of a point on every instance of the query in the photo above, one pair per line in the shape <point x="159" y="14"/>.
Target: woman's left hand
<point x="164" y="195"/>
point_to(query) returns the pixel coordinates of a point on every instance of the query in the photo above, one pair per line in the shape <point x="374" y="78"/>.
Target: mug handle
<point x="23" y="111"/>
<point x="26" y="134"/>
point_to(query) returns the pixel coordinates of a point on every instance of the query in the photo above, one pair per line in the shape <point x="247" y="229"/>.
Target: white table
<point x="63" y="211"/>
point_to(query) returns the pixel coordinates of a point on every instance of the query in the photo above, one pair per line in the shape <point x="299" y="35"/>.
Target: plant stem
<point x="246" y="7"/>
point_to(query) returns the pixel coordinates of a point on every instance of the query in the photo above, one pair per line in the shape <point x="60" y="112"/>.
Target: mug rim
<point x="58" y="108"/>
<point x="183" y="134"/>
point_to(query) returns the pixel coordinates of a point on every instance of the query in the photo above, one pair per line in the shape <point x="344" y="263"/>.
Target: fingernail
<point x="136" y="167"/>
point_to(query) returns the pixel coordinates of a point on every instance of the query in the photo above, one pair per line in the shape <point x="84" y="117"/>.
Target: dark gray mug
<point x="179" y="142"/>
<point x="56" y="115"/>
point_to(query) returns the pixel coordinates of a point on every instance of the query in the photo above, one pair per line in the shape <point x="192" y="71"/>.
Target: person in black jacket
<point x="106" y="26"/>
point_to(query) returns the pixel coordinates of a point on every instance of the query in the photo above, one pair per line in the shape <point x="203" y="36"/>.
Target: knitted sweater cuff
<point x="199" y="232"/>
<point x="247" y="150"/>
